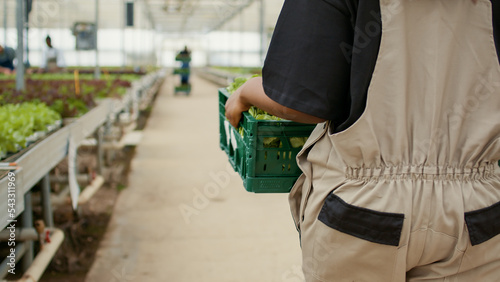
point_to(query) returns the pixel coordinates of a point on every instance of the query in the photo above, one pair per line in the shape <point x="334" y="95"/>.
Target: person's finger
<point x="232" y="114"/>
<point x="234" y="121"/>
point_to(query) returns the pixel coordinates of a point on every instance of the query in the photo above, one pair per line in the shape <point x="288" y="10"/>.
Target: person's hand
<point x="235" y="105"/>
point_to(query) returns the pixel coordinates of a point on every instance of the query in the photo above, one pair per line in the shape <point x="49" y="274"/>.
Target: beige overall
<point x="422" y="156"/>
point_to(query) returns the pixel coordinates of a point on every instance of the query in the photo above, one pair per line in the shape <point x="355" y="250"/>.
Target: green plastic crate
<point x="263" y="169"/>
<point x="183" y="88"/>
<point x="182" y="71"/>
<point x="183" y="58"/>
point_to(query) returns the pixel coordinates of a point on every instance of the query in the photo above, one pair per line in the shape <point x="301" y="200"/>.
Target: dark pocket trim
<point x="483" y="224"/>
<point x="374" y="226"/>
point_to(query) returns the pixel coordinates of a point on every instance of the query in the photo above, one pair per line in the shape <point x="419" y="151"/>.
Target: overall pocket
<point x="374" y="226"/>
<point x="483" y="224"/>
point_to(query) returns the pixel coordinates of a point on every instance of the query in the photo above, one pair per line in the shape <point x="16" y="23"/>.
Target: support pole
<point x="4" y="43"/>
<point x="4" y="266"/>
<point x="20" y="45"/>
<point x="26" y="34"/>
<point x="27" y="222"/>
<point x="43" y="258"/>
<point x="124" y="53"/>
<point x="99" y="138"/>
<point x="41" y="261"/>
<point x="46" y="203"/>
<point x="27" y="52"/>
<point x="97" y="72"/>
<point x="24" y="234"/>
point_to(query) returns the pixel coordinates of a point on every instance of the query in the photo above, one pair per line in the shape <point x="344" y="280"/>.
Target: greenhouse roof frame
<point x="194" y="15"/>
<point x="165" y="16"/>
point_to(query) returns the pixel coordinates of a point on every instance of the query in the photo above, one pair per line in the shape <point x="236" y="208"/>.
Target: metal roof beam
<point x="149" y="14"/>
<point x="231" y="15"/>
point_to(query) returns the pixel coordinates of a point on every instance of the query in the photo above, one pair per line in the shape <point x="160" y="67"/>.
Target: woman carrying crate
<point x="400" y="178"/>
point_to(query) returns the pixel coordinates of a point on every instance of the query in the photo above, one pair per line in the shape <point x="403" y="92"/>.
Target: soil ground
<point x="185" y="215"/>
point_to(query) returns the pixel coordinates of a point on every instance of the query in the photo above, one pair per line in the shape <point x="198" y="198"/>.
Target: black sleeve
<point x="307" y="68"/>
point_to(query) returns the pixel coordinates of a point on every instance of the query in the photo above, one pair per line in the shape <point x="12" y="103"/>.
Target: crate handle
<point x="228" y="131"/>
<point x="233" y="139"/>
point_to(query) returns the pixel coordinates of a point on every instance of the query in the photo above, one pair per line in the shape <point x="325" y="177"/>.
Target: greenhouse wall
<point x="116" y="47"/>
<point x="137" y="47"/>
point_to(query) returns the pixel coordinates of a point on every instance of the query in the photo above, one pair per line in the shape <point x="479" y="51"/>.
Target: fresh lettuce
<point x="268" y="142"/>
<point x="20" y="121"/>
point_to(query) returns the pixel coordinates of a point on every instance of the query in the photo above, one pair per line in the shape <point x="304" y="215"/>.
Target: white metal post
<point x="97" y="72"/>
<point x="27" y="222"/>
<point x="20" y="45"/>
<point x="46" y="203"/>
<point x="124" y="53"/>
<point x="26" y="26"/>
<point x="4" y="22"/>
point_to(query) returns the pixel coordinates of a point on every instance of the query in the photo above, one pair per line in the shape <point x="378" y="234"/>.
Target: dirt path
<point x="185" y="216"/>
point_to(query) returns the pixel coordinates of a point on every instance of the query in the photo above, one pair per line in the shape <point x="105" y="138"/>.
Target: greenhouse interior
<point x="249" y="140"/>
<point x="117" y="163"/>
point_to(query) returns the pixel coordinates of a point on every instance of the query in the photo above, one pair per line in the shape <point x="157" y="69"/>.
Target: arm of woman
<point x="252" y="94"/>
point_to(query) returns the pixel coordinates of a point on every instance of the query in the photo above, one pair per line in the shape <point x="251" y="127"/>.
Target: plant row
<point x="24" y="123"/>
<point x="64" y="96"/>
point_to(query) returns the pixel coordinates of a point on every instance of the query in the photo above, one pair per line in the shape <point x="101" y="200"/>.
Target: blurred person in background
<point x="7" y="56"/>
<point x="185" y="56"/>
<point x="52" y="58"/>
